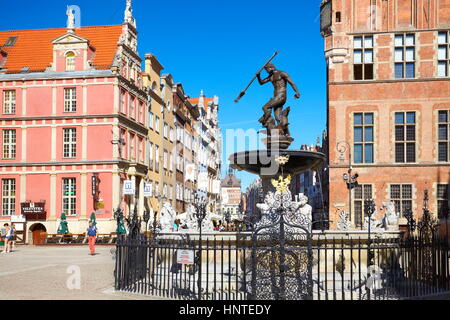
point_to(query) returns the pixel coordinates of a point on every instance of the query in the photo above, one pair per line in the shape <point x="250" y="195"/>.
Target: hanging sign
<point x="147" y="190"/>
<point x="129" y="187"/>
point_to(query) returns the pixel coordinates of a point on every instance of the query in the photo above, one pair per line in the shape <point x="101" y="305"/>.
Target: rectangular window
<point x="132" y="147"/>
<point x="150" y="183"/>
<point x="363" y="58"/>
<point x="166" y="131"/>
<point x="401" y="196"/>
<point x="69" y="198"/>
<point x="157" y="124"/>
<point x="132" y="107"/>
<point x="157" y="158"/>
<point x="70" y="143"/>
<point x="122" y="142"/>
<point x="444" y="54"/>
<point x="171" y="135"/>
<point x="70" y="100"/>
<point x="171" y="162"/>
<point x="151" y="120"/>
<point x="405" y="56"/>
<point x="140" y="150"/>
<point x="444" y="135"/>
<point x="361" y="192"/>
<point x="151" y="158"/>
<point x="166" y="158"/>
<point x="165" y="191"/>
<point x="9" y="144"/>
<point x="70" y="61"/>
<point x="9" y="101"/>
<point x="141" y="112"/>
<point x="363" y="136"/>
<point x="442" y="199"/>
<point x="405" y="137"/>
<point x="9" y="197"/>
<point x="122" y="101"/>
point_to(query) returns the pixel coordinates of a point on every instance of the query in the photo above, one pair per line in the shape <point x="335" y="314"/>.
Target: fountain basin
<point x="262" y="162"/>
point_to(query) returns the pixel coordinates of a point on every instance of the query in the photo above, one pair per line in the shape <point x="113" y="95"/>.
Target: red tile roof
<point x="196" y="101"/>
<point x="34" y="48"/>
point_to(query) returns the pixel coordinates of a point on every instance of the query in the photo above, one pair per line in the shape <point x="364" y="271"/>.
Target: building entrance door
<point x="38" y="231"/>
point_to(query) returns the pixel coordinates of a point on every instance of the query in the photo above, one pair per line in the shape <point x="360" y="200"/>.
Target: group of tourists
<point x="9" y="237"/>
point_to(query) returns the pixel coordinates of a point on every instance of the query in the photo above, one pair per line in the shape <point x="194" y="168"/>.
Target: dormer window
<point x="70" y="61"/>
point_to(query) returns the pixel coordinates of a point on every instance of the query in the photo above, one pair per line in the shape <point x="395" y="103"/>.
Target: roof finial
<point x="129" y="14"/>
<point x="70" y="19"/>
<point x="202" y="94"/>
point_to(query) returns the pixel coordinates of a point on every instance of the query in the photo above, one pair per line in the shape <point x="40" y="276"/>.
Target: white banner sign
<point x="129" y="187"/>
<point x="147" y="190"/>
<point x="216" y="187"/>
<point x="190" y="173"/>
<point x="203" y="180"/>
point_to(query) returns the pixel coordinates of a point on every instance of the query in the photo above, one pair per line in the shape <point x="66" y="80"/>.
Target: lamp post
<point x="200" y="214"/>
<point x="369" y="210"/>
<point x="349" y="177"/>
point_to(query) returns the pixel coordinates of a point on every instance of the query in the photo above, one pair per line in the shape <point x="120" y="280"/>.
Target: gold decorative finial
<point x="282" y="184"/>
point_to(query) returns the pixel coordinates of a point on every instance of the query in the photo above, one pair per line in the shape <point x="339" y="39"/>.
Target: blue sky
<point x="216" y="46"/>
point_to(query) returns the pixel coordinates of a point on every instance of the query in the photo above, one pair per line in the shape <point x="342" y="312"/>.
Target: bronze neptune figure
<point x="280" y="121"/>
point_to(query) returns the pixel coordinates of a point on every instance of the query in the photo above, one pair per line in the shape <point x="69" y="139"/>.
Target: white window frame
<point x="9" y="143"/>
<point x="9" y="102"/>
<point x="444" y="60"/>
<point x="8" y="197"/>
<point x="69" y="207"/>
<point x="157" y="124"/>
<point x="69" y="143"/>
<point x="70" y="99"/>
<point x="151" y="120"/>
<point x="70" y="61"/>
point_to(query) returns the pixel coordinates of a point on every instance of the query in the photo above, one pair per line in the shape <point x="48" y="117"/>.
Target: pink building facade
<point x="74" y="125"/>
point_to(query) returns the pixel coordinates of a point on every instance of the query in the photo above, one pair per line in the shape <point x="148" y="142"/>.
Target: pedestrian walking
<point x="12" y="244"/>
<point x="8" y="238"/>
<point x="92" y="234"/>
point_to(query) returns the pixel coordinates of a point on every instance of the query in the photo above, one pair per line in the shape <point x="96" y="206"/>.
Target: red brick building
<point x="388" y="102"/>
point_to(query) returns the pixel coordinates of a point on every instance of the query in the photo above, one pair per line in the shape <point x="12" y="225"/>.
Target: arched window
<point x="70" y="61"/>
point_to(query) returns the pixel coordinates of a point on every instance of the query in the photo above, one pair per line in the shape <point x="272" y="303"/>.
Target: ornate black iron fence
<point x="218" y="270"/>
<point x="342" y="268"/>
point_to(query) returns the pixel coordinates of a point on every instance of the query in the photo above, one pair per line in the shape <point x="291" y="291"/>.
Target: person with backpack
<point x="92" y="234"/>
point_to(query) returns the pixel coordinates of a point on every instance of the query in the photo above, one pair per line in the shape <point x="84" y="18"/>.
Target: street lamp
<point x="200" y="214"/>
<point x="369" y="210"/>
<point x="146" y="218"/>
<point x="352" y="183"/>
<point x="349" y="177"/>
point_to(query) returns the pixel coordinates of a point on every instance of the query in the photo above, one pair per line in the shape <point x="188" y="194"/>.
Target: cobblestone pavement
<point x="49" y="273"/>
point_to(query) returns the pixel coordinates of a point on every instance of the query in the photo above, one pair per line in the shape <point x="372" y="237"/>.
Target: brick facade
<point x="371" y="30"/>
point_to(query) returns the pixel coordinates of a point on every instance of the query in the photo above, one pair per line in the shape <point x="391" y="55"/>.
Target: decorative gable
<point x="71" y="52"/>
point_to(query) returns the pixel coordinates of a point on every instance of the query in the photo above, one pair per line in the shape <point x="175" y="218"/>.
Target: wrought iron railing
<point x="343" y="268"/>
